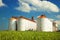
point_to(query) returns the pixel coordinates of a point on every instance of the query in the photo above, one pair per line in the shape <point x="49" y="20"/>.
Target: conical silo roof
<point x="42" y="16"/>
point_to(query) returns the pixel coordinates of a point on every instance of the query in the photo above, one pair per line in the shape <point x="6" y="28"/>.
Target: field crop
<point x="29" y="35"/>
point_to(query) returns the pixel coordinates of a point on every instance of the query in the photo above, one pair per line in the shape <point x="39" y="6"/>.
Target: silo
<point x="44" y="24"/>
<point x="20" y="24"/>
<point x="12" y="23"/>
<point x="55" y="26"/>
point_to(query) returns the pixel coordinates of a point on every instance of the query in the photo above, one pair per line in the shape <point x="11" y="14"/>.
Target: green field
<point x="29" y="35"/>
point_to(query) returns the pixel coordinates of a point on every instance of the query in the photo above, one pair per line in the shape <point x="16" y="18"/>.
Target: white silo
<point x="26" y="24"/>
<point x="12" y="23"/>
<point x="20" y="22"/>
<point x="44" y="24"/>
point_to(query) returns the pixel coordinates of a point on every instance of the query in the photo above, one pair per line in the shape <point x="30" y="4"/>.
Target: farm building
<point x="21" y="24"/>
<point x="42" y="23"/>
<point x="26" y="24"/>
<point x="45" y="24"/>
<point x="12" y="23"/>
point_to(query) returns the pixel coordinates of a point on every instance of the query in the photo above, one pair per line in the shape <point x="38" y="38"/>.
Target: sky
<point x="28" y="8"/>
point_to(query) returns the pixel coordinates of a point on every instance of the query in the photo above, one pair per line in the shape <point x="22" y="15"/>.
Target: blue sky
<point x="9" y="8"/>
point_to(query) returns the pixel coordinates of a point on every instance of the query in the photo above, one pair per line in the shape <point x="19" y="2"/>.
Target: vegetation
<point x="29" y="35"/>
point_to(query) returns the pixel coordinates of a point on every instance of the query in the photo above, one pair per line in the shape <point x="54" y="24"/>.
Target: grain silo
<point x="19" y="24"/>
<point x="13" y="23"/>
<point x="26" y="24"/>
<point x="44" y="24"/>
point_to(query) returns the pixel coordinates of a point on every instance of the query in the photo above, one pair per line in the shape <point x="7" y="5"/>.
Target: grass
<point x="29" y="35"/>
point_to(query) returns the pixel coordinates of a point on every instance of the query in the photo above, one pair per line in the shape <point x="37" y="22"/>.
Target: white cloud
<point x="51" y="19"/>
<point x="33" y="8"/>
<point x="37" y="5"/>
<point x="1" y="3"/>
<point x="24" y="7"/>
<point x="50" y="6"/>
<point x="58" y="16"/>
<point x="58" y="22"/>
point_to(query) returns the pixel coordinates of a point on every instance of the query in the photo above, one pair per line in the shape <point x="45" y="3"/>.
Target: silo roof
<point x="26" y="18"/>
<point x="14" y="18"/>
<point x="42" y="16"/>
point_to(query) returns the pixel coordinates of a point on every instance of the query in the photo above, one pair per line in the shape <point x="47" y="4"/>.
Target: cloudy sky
<point x="28" y="8"/>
